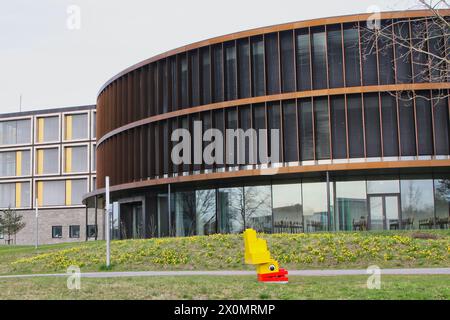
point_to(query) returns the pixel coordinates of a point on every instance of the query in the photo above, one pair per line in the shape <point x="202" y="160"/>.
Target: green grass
<point x="242" y="287"/>
<point x="218" y="252"/>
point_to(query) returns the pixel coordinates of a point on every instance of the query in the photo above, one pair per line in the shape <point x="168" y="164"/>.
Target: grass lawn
<point x="396" y="249"/>
<point x="242" y="287"/>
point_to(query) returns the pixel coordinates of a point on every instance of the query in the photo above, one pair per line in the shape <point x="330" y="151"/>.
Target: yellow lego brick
<point x="256" y="251"/>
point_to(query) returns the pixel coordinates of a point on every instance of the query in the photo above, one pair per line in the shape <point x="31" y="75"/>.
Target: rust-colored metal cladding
<point x="339" y="109"/>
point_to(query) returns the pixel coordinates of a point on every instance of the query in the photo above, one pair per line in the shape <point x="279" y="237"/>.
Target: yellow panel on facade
<point x="18" y="194"/>
<point x="69" y="127"/>
<point x="40" y="161"/>
<point x="68" y="158"/>
<point x="68" y="192"/>
<point x="40" y="130"/>
<point x="40" y="194"/>
<point x="18" y="163"/>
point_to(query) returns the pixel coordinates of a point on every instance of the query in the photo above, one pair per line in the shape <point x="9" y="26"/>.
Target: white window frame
<point x="46" y="115"/>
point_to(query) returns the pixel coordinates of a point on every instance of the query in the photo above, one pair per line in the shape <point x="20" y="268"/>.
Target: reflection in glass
<point x="417" y="203"/>
<point x="355" y="126"/>
<point x="318" y="47"/>
<point x="315" y="211"/>
<point x="424" y="124"/>
<point x="372" y="119"/>
<point x="382" y="186"/>
<point x="376" y="213"/>
<point x="306" y="129"/>
<point x="287" y="208"/>
<point x="389" y="121"/>
<point x="407" y="126"/>
<point x="230" y="206"/>
<point x="441" y="129"/>
<point x="272" y="65"/>
<point x="392" y="212"/>
<point x="257" y="66"/>
<point x="334" y="46"/>
<point x="442" y="202"/>
<point x="322" y="129"/>
<point x="351" y="206"/>
<point x="258" y="208"/>
<point x="351" y="49"/>
<point x="303" y="60"/>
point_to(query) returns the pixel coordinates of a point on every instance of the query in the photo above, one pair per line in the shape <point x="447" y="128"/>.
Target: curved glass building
<point x="361" y="142"/>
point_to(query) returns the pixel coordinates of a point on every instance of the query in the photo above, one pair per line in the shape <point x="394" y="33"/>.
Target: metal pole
<point x="328" y="201"/>
<point x="169" y="209"/>
<point x="107" y="215"/>
<point x="37" y="223"/>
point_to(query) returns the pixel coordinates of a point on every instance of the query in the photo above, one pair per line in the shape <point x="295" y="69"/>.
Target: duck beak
<point x="274" y="277"/>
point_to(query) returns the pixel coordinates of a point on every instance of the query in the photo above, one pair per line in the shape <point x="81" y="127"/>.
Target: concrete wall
<point x="56" y="217"/>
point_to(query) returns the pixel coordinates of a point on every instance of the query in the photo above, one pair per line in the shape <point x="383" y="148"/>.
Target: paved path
<point x="421" y="271"/>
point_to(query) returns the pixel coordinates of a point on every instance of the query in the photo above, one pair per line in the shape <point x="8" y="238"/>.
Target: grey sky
<point x="53" y="66"/>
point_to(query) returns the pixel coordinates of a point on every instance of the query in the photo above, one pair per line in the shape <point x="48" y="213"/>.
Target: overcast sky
<point x="53" y="66"/>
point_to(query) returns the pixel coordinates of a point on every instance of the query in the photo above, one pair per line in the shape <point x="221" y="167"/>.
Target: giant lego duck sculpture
<point x="257" y="253"/>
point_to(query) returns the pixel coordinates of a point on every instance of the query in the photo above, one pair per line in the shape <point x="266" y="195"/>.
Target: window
<point x="47" y="129"/>
<point x="205" y="75"/>
<point x="56" y="232"/>
<point x="245" y="124"/>
<point x="420" y="60"/>
<point x="272" y="62"/>
<point x="92" y="231"/>
<point x="319" y="58"/>
<point x="287" y="208"/>
<point x="372" y="119"/>
<point x="355" y="126"/>
<point x="407" y="126"/>
<point x="219" y="124"/>
<point x="352" y="57"/>
<point x="303" y="60"/>
<point x="15" y="163"/>
<point x="287" y="61"/>
<point x="231" y="157"/>
<point x="75" y="189"/>
<point x="322" y="129"/>
<point x="369" y="58"/>
<point x="441" y="129"/>
<point x="338" y="127"/>
<point x="94" y="158"/>
<point x="402" y="54"/>
<point x="51" y="193"/>
<point x="382" y="186"/>
<point x="230" y="71"/>
<point x="244" y="68"/>
<point x="424" y="125"/>
<point x="184" y="81"/>
<point x="230" y="209"/>
<point x="273" y="110"/>
<point x="442" y="198"/>
<point x="258" y="66"/>
<point x="15" y="195"/>
<point x="217" y="73"/>
<point x="76" y="159"/>
<point x="386" y="55"/>
<point x="76" y="126"/>
<point x="315" y="211"/>
<point x="74" y="231"/>
<point x="334" y="46"/>
<point x="389" y="120"/>
<point x="418" y="203"/>
<point x="258" y="208"/>
<point x="290" y="131"/>
<point x="94" y="124"/>
<point x="194" y="74"/>
<point x="47" y="161"/>
<point x="259" y="123"/>
<point x="351" y="206"/>
<point x="15" y="132"/>
<point x="305" y="122"/>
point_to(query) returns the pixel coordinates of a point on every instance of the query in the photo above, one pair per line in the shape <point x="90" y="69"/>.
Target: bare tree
<point x="422" y="42"/>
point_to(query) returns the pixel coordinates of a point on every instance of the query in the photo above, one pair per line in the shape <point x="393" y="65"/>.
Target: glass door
<point x="376" y="212"/>
<point x="384" y="212"/>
